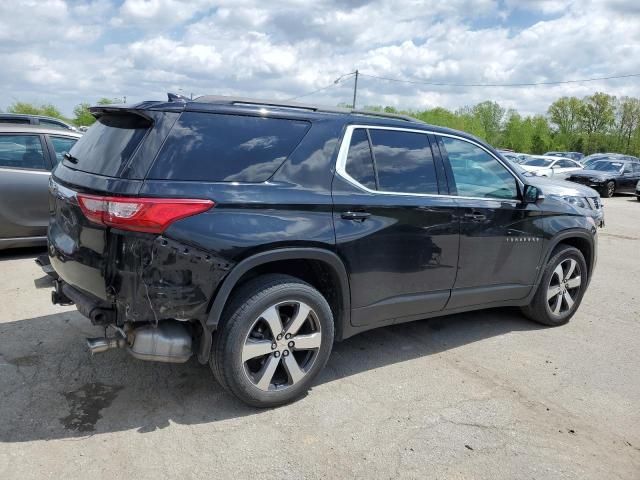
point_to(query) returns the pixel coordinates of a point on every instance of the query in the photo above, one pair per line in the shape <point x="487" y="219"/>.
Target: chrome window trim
<point x="38" y="171"/>
<point x="341" y="162"/>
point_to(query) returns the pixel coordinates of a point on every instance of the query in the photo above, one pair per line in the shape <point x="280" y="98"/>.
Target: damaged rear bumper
<point x="146" y="278"/>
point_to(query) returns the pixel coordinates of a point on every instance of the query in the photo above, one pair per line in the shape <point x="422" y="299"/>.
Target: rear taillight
<point x="152" y="215"/>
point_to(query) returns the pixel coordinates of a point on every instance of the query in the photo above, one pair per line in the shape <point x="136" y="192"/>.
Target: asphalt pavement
<point x="483" y="395"/>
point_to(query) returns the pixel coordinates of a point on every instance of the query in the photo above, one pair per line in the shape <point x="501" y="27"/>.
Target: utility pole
<point x="355" y="90"/>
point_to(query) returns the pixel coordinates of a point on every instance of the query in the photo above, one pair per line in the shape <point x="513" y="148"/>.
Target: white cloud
<point x="285" y="48"/>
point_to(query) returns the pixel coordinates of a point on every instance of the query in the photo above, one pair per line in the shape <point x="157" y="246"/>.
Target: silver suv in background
<point x="28" y="153"/>
<point x="43" y="121"/>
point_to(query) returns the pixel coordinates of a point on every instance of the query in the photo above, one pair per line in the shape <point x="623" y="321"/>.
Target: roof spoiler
<point x="176" y="97"/>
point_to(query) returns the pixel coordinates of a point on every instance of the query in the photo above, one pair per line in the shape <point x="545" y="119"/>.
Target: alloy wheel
<point x="282" y="345"/>
<point x="564" y="287"/>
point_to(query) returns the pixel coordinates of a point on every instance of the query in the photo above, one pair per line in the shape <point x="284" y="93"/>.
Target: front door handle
<point x="358" y="216"/>
<point x="475" y="217"/>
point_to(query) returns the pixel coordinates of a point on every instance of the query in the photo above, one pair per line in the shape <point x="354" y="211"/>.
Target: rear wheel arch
<point x="321" y="268"/>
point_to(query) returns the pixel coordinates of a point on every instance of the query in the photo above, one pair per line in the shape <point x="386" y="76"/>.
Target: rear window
<point x="226" y="148"/>
<point x="109" y="144"/>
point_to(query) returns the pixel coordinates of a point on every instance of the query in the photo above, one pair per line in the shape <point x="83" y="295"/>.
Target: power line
<point x="439" y="84"/>
<point x="335" y="82"/>
<point x="442" y="84"/>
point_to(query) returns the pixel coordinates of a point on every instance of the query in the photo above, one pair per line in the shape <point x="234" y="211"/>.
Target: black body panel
<point x="394" y="257"/>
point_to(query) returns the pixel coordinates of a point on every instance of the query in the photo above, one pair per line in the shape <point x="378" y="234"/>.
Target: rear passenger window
<point x="565" y="164"/>
<point x="359" y="164"/>
<point x="21" y="151"/>
<point x="61" y="145"/>
<point x="478" y="174"/>
<point x="404" y="162"/>
<point x="226" y="148"/>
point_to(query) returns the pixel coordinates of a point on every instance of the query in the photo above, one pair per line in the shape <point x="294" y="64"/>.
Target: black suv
<point x="254" y="234"/>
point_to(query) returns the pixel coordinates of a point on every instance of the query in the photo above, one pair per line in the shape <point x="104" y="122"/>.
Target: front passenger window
<point x="478" y="174"/>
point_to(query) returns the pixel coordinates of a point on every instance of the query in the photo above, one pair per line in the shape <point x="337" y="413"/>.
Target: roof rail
<point x="224" y="100"/>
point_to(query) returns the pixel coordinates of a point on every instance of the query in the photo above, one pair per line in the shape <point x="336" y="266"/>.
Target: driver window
<point x="478" y="174"/>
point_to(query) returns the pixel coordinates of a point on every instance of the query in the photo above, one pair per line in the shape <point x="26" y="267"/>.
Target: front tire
<point x="609" y="189"/>
<point x="275" y="338"/>
<point x="561" y="289"/>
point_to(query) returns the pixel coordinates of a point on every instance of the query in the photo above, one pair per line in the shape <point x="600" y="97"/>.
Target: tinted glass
<point x="21" y="151"/>
<point x="605" y="166"/>
<point x="537" y="162"/>
<point x="478" y="174"/>
<point x="108" y="144"/>
<point x="62" y="145"/>
<point x="404" y="162"/>
<point x="226" y="148"/>
<point x="359" y="161"/>
<point x="636" y="168"/>
<point x="23" y="121"/>
<point x="565" y="164"/>
<point x="52" y="124"/>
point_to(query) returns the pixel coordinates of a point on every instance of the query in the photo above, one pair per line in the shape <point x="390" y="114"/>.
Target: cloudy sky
<point x="78" y="51"/>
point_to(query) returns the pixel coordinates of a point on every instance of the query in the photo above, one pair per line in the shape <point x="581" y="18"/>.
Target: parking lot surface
<point x="480" y="395"/>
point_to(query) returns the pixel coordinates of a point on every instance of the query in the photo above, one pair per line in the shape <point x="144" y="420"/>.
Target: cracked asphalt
<point x="483" y="395"/>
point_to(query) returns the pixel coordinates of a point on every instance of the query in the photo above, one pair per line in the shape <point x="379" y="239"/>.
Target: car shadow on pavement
<point x="19" y="253"/>
<point x="50" y="387"/>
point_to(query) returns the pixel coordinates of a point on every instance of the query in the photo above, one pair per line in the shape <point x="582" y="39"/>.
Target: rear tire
<point x="276" y="336"/>
<point x="561" y="289"/>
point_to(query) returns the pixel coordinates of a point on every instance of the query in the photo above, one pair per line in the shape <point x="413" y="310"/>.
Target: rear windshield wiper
<point x="71" y="158"/>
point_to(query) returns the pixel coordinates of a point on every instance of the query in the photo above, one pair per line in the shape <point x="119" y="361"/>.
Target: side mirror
<point x="532" y="194"/>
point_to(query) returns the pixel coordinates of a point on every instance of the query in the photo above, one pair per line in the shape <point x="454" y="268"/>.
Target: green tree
<point x="565" y="113"/>
<point x="46" y="109"/>
<point x="627" y="121"/>
<point x="596" y="117"/>
<point x="25" y="108"/>
<point x="82" y="116"/>
<point x="516" y="135"/>
<point x="489" y="115"/>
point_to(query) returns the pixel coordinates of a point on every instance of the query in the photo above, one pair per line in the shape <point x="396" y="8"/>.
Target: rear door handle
<point x="359" y="216"/>
<point x="476" y="217"/>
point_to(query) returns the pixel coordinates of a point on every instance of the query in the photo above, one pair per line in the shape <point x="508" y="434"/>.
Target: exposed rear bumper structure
<point x="167" y="341"/>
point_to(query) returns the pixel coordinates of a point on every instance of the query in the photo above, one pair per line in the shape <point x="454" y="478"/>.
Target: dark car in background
<point x="43" y="121"/>
<point x="572" y="155"/>
<point x="27" y="155"/>
<point x="252" y="234"/>
<point x="609" y="176"/>
<point x="586" y="161"/>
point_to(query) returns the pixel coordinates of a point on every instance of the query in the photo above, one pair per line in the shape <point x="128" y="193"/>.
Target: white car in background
<point x="548" y="166"/>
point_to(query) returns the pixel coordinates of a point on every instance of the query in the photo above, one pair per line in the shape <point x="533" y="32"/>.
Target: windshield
<point x="537" y="162"/>
<point x="603" y="166"/>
